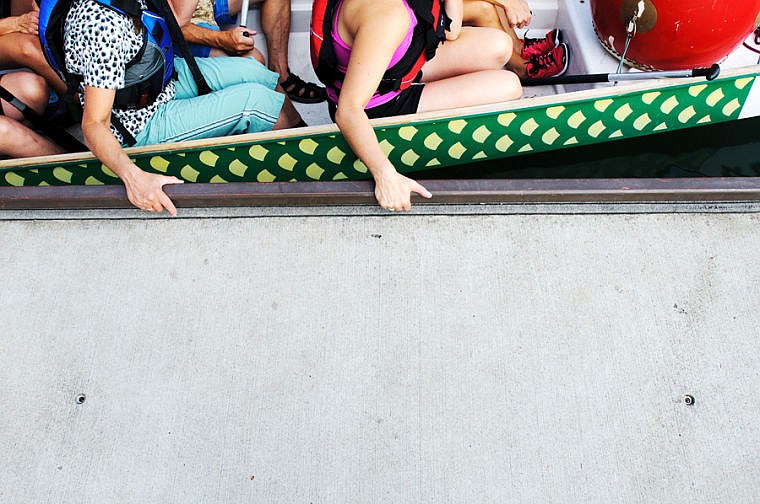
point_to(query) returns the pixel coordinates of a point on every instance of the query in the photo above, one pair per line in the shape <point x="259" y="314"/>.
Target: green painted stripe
<point x="426" y="144"/>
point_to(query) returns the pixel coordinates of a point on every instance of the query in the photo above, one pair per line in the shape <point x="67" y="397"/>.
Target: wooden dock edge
<point x="460" y="192"/>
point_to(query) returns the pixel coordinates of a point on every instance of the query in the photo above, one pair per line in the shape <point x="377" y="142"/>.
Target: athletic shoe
<point x="551" y="64"/>
<point x="536" y="47"/>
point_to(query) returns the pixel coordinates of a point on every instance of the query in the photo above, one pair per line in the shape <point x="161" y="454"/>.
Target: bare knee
<point x="7" y="126"/>
<point x="512" y="86"/>
<point x="30" y="49"/>
<point x="32" y="90"/>
<point x="500" y="47"/>
<point x="258" y="56"/>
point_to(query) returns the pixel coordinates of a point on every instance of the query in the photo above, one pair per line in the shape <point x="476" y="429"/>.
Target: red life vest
<point x="429" y="32"/>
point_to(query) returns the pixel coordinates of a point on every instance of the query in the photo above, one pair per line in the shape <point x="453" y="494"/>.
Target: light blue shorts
<point x="243" y="100"/>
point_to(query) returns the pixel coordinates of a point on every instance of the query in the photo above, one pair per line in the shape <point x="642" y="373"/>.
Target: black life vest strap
<point x="128" y="138"/>
<point x="176" y="34"/>
<point x="58" y="135"/>
<point x="428" y="33"/>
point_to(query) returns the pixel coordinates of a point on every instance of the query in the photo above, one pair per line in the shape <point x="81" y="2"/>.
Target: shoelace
<point x="543" y="61"/>
<point x="529" y="41"/>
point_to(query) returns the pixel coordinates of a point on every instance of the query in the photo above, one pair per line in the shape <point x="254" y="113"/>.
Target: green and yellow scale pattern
<point x="428" y="144"/>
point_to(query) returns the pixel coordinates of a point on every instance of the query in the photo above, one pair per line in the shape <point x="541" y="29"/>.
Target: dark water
<point x="720" y="150"/>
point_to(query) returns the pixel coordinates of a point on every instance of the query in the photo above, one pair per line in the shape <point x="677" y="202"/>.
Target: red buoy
<point x="674" y="34"/>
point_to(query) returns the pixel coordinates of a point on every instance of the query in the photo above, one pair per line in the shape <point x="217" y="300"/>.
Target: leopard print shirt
<point x="98" y="43"/>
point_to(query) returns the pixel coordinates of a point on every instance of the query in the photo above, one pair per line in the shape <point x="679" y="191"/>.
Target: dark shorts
<point x="405" y="103"/>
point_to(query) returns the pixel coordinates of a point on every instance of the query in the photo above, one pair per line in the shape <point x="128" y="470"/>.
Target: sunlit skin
<point x="503" y="15"/>
<point x="467" y="70"/>
<point x="16" y="139"/>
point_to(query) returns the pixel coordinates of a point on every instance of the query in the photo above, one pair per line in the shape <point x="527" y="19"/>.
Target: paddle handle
<point x="244" y="13"/>
<point x="709" y="73"/>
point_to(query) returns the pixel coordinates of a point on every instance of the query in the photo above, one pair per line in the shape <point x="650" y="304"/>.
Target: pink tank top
<point x="343" y="54"/>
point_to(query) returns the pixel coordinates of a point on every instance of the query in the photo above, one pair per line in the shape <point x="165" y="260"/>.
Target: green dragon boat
<point x="547" y="118"/>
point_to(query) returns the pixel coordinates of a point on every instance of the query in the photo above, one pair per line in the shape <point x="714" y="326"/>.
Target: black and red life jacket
<point x="432" y="23"/>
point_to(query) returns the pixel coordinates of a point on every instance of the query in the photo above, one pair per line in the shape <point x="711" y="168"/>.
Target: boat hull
<point x="420" y="142"/>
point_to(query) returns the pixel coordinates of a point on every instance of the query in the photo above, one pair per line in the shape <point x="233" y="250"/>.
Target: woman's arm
<point x="518" y="13"/>
<point x="144" y="190"/>
<point x="376" y="32"/>
<point x="455" y="10"/>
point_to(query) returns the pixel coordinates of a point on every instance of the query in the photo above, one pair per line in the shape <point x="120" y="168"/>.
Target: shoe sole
<point x="567" y="59"/>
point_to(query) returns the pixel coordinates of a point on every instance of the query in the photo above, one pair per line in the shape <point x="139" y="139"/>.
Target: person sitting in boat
<point x="200" y="20"/>
<point x="19" y="46"/>
<point x="383" y="58"/>
<point x="531" y="58"/>
<point x="19" y="43"/>
<point x="100" y="43"/>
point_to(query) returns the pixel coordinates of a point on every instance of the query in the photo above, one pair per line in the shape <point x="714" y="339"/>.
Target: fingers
<point x="171" y="180"/>
<point x="167" y="204"/>
<point x="419" y="189"/>
<point x="400" y="199"/>
<point x="163" y="201"/>
<point x="154" y="199"/>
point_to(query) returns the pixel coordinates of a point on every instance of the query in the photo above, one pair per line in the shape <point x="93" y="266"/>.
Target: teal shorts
<point x="243" y="100"/>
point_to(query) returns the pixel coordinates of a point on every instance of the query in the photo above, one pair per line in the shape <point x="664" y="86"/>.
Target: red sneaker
<point x="536" y="47"/>
<point x="551" y="64"/>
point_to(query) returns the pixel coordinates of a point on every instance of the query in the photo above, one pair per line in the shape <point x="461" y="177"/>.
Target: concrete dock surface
<point x="318" y="356"/>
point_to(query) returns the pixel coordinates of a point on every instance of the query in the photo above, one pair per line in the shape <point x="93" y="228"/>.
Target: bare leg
<point x="23" y="49"/>
<point x="16" y="139"/>
<point x="475" y="49"/>
<point x="28" y="87"/>
<point x="477" y="88"/>
<point x="469" y="71"/>
<point x="289" y="116"/>
<point x="487" y="15"/>
<point x="275" y="23"/>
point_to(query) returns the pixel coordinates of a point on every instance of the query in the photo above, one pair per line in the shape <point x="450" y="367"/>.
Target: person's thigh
<point x="240" y="108"/>
<point x="476" y="88"/>
<point x="476" y="49"/>
<point x="222" y="72"/>
<point x="26" y="86"/>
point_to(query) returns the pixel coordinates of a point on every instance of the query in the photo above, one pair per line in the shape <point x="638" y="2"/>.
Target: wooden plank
<point x="362" y="193"/>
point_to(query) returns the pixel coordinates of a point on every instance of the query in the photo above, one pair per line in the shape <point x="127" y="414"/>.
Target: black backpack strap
<point x="128" y="138"/>
<point x="176" y="33"/>
<point x="58" y="135"/>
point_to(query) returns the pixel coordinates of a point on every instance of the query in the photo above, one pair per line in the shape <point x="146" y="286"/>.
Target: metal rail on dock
<point x="459" y="192"/>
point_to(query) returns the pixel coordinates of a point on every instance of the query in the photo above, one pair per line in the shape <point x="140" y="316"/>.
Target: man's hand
<point x="145" y="191"/>
<point x="235" y="41"/>
<point x="27" y="23"/>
